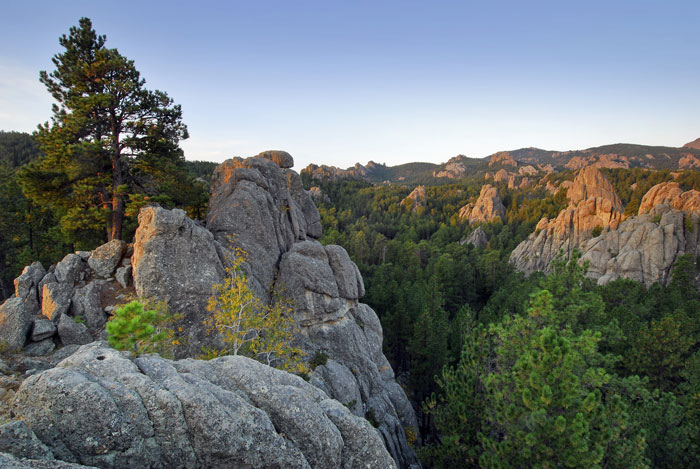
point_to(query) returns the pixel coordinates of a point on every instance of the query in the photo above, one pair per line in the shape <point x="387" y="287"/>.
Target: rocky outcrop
<point x="695" y="144"/>
<point x="453" y="169"/>
<point x="689" y="162"/>
<point x="417" y="199"/>
<point x="593" y="206"/>
<point x="318" y="196"/>
<point x="502" y="158"/>
<point x="333" y="173"/>
<point x="478" y="238"/>
<point x="99" y="407"/>
<point x="598" y="161"/>
<point x="501" y="176"/>
<point x="591" y="184"/>
<point x="262" y="209"/>
<point x="487" y="208"/>
<point x="643" y="248"/>
<point x="670" y="193"/>
<point x="65" y="305"/>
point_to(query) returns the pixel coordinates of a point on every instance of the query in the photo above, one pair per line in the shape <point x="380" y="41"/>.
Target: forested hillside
<point x="516" y="370"/>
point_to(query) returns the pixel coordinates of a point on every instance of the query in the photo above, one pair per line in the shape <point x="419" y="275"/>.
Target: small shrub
<point x="320" y="358"/>
<point x="142" y="330"/>
<point x="79" y="319"/>
<point x="351" y="404"/>
<point x="597" y="231"/>
<point x="410" y="436"/>
<point x="656" y="218"/>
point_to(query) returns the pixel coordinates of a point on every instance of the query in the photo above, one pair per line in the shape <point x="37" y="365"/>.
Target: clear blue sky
<point x="339" y="82"/>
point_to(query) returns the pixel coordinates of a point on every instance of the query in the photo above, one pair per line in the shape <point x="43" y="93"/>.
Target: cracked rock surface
<point x="101" y="408"/>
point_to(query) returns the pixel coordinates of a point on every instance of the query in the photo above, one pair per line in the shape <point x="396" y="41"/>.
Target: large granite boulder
<point x="15" y="323"/>
<point x="104" y="259"/>
<point x="176" y="261"/>
<point x="27" y="286"/>
<point x="99" y="407"/>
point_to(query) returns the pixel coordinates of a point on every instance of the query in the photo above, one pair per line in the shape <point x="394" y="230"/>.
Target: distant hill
<point x="619" y="155"/>
<point x="694" y="144"/>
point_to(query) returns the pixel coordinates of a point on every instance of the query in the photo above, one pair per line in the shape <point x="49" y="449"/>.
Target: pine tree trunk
<point x="117" y="180"/>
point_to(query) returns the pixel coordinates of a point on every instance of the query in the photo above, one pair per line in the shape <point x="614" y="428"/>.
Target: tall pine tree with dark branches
<point x="110" y="141"/>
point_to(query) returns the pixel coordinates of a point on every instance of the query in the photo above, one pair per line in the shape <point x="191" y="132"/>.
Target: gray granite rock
<point x="86" y="304"/>
<point x="71" y="332"/>
<point x="43" y="328"/>
<point x="26" y="286"/>
<point x="17" y="439"/>
<point x="104" y="259"/>
<point x="123" y="276"/>
<point x="71" y="269"/>
<point x="176" y="261"/>
<point x="56" y="299"/>
<point x="39" y="349"/>
<point x="101" y="408"/>
<point x="15" y="323"/>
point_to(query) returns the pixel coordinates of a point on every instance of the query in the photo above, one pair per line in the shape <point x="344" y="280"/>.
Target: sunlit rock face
<point x="487" y="208"/>
<point x="593" y="205"/>
<point x="642" y="248"/>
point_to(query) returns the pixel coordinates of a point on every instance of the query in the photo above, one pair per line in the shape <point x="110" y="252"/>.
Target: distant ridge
<point x="618" y="155"/>
<point x="695" y="144"/>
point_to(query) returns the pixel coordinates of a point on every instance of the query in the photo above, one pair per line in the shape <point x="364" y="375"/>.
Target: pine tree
<point x="108" y="139"/>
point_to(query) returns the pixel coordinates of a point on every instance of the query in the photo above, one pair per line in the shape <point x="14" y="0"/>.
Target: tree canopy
<point x="110" y="143"/>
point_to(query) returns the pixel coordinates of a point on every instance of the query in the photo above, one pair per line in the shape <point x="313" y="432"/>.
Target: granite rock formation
<point x="642" y="248"/>
<point x="99" y="407"/>
<point x="502" y="158"/>
<point x="478" y="238"/>
<point x="593" y="205"/>
<point x="418" y="198"/>
<point x="487" y="208"/>
<point x="261" y="208"/>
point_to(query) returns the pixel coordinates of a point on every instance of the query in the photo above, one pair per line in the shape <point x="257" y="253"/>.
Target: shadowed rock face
<point x="100" y="408"/>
